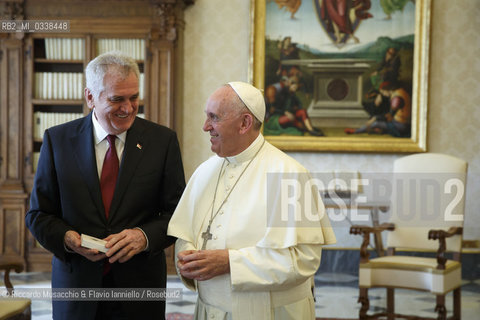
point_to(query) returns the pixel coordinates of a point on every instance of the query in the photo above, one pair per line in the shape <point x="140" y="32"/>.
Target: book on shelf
<point x="134" y="48"/>
<point x="64" y="49"/>
<point x="36" y="156"/>
<point x="45" y="120"/>
<point x="66" y="86"/>
<point x="141" y="85"/>
<point x="58" y="85"/>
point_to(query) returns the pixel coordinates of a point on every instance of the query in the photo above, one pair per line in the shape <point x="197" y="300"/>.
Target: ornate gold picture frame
<point x="336" y="71"/>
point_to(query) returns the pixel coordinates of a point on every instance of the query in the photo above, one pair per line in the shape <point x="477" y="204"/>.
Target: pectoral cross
<point x="206" y="236"/>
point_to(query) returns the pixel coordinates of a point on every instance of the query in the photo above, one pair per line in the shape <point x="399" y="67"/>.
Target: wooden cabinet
<point x="42" y="72"/>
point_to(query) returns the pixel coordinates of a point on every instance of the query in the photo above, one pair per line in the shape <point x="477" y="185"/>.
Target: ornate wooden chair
<point x="427" y="204"/>
<point x="12" y="309"/>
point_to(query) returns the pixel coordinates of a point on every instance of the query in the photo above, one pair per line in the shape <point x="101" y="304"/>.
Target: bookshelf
<point x="58" y="82"/>
<point x="57" y="85"/>
<point x="42" y="81"/>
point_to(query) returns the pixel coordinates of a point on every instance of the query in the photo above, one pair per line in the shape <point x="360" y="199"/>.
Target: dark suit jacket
<point x="66" y="196"/>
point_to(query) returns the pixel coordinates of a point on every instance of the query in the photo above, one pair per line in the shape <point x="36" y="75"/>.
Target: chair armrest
<point x="366" y="231"/>
<point x="9" y="263"/>
<point x="441" y="235"/>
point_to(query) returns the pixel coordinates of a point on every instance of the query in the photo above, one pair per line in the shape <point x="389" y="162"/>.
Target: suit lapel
<point x="84" y="153"/>
<point x="132" y="154"/>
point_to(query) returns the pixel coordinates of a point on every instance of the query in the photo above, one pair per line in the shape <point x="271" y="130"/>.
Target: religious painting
<point x="343" y="75"/>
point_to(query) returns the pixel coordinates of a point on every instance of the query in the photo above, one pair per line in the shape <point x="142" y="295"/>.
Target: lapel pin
<point x="139" y="146"/>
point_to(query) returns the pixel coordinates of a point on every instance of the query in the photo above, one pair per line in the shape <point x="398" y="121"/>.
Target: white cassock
<point x="273" y="256"/>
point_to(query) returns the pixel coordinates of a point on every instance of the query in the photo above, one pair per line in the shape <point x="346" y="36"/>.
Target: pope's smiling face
<point x="117" y="105"/>
<point x="223" y="123"/>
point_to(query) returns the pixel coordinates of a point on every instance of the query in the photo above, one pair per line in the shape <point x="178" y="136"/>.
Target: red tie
<point x="108" y="179"/>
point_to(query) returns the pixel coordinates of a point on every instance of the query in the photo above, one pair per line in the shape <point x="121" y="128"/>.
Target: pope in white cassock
<point x="247" y="248"/>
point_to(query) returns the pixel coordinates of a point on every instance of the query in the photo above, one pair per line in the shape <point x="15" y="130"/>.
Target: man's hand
<point x="72" y="241"/>
<point x="203" y="265"/>
<point x="124" y="245"/>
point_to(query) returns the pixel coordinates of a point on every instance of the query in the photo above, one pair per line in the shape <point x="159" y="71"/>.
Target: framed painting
<point x="342" y="75"/>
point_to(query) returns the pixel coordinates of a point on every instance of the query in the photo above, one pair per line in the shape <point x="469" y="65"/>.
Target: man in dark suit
<point x="113" y="176"/>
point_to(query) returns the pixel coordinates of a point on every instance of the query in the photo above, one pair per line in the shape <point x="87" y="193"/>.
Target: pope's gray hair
<point x="112" y="61"/>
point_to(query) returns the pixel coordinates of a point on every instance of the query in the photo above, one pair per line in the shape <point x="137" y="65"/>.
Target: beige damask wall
<point x="217" y="37"/>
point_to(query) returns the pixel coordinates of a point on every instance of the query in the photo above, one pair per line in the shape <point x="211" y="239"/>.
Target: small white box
<point x="93" y="243"/>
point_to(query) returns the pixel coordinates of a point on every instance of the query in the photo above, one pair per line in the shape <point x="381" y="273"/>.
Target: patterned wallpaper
<point x="217" y="51"/>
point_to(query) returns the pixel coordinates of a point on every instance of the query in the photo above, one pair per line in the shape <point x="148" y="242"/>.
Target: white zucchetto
<point x="251" y="97"/>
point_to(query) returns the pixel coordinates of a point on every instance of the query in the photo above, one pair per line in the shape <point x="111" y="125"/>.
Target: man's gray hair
<point x="112" y="61"/>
